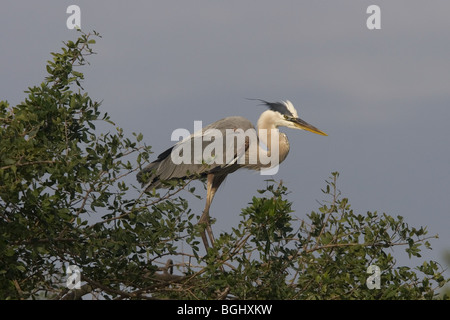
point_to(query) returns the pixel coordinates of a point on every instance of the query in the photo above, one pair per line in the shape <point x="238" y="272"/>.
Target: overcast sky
<point x="383" y="96"/>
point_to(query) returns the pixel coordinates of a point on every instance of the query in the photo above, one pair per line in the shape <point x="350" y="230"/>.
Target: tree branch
<point x="29" y="164"/>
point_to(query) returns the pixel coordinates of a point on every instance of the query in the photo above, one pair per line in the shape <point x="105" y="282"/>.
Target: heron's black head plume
<point x="284" y="107"/>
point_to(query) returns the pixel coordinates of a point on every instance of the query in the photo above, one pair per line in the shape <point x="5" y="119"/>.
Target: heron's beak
<point x="303" y="125"/>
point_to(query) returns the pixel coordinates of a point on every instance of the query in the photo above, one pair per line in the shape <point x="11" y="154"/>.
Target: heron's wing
<point x="216" y="148"/>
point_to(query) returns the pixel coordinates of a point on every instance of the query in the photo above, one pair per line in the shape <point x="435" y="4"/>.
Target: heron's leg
<point x="213" y="183"/>
<point x="205" y="218"/>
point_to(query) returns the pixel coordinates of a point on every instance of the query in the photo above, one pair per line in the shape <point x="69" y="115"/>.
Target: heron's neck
<point x="266" y="124"/>
<point x="268" y="133"/>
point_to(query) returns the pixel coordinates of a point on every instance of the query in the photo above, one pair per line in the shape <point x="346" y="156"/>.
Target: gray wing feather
<point x="164" y="168"/>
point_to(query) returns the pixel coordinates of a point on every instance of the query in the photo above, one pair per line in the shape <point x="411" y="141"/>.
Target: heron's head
<point x="283" y="114"/>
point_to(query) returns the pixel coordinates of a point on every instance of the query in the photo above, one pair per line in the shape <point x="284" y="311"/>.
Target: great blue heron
<point x="164" y="168"/>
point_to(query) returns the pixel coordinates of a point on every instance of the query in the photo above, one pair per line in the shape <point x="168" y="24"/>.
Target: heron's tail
<point x="147" y="175"/>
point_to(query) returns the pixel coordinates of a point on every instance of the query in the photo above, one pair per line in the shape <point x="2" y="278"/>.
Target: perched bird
<point x="216" y="153"/>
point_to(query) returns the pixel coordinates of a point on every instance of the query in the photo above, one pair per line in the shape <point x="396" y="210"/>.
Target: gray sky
<point x="382" y="95"/>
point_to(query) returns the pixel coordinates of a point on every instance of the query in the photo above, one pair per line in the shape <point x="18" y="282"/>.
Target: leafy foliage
<point x="65" y="200"/>
<point x="325" y="257"/>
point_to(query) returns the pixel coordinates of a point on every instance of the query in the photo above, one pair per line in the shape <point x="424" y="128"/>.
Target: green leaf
<point x="78" y="74"/>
